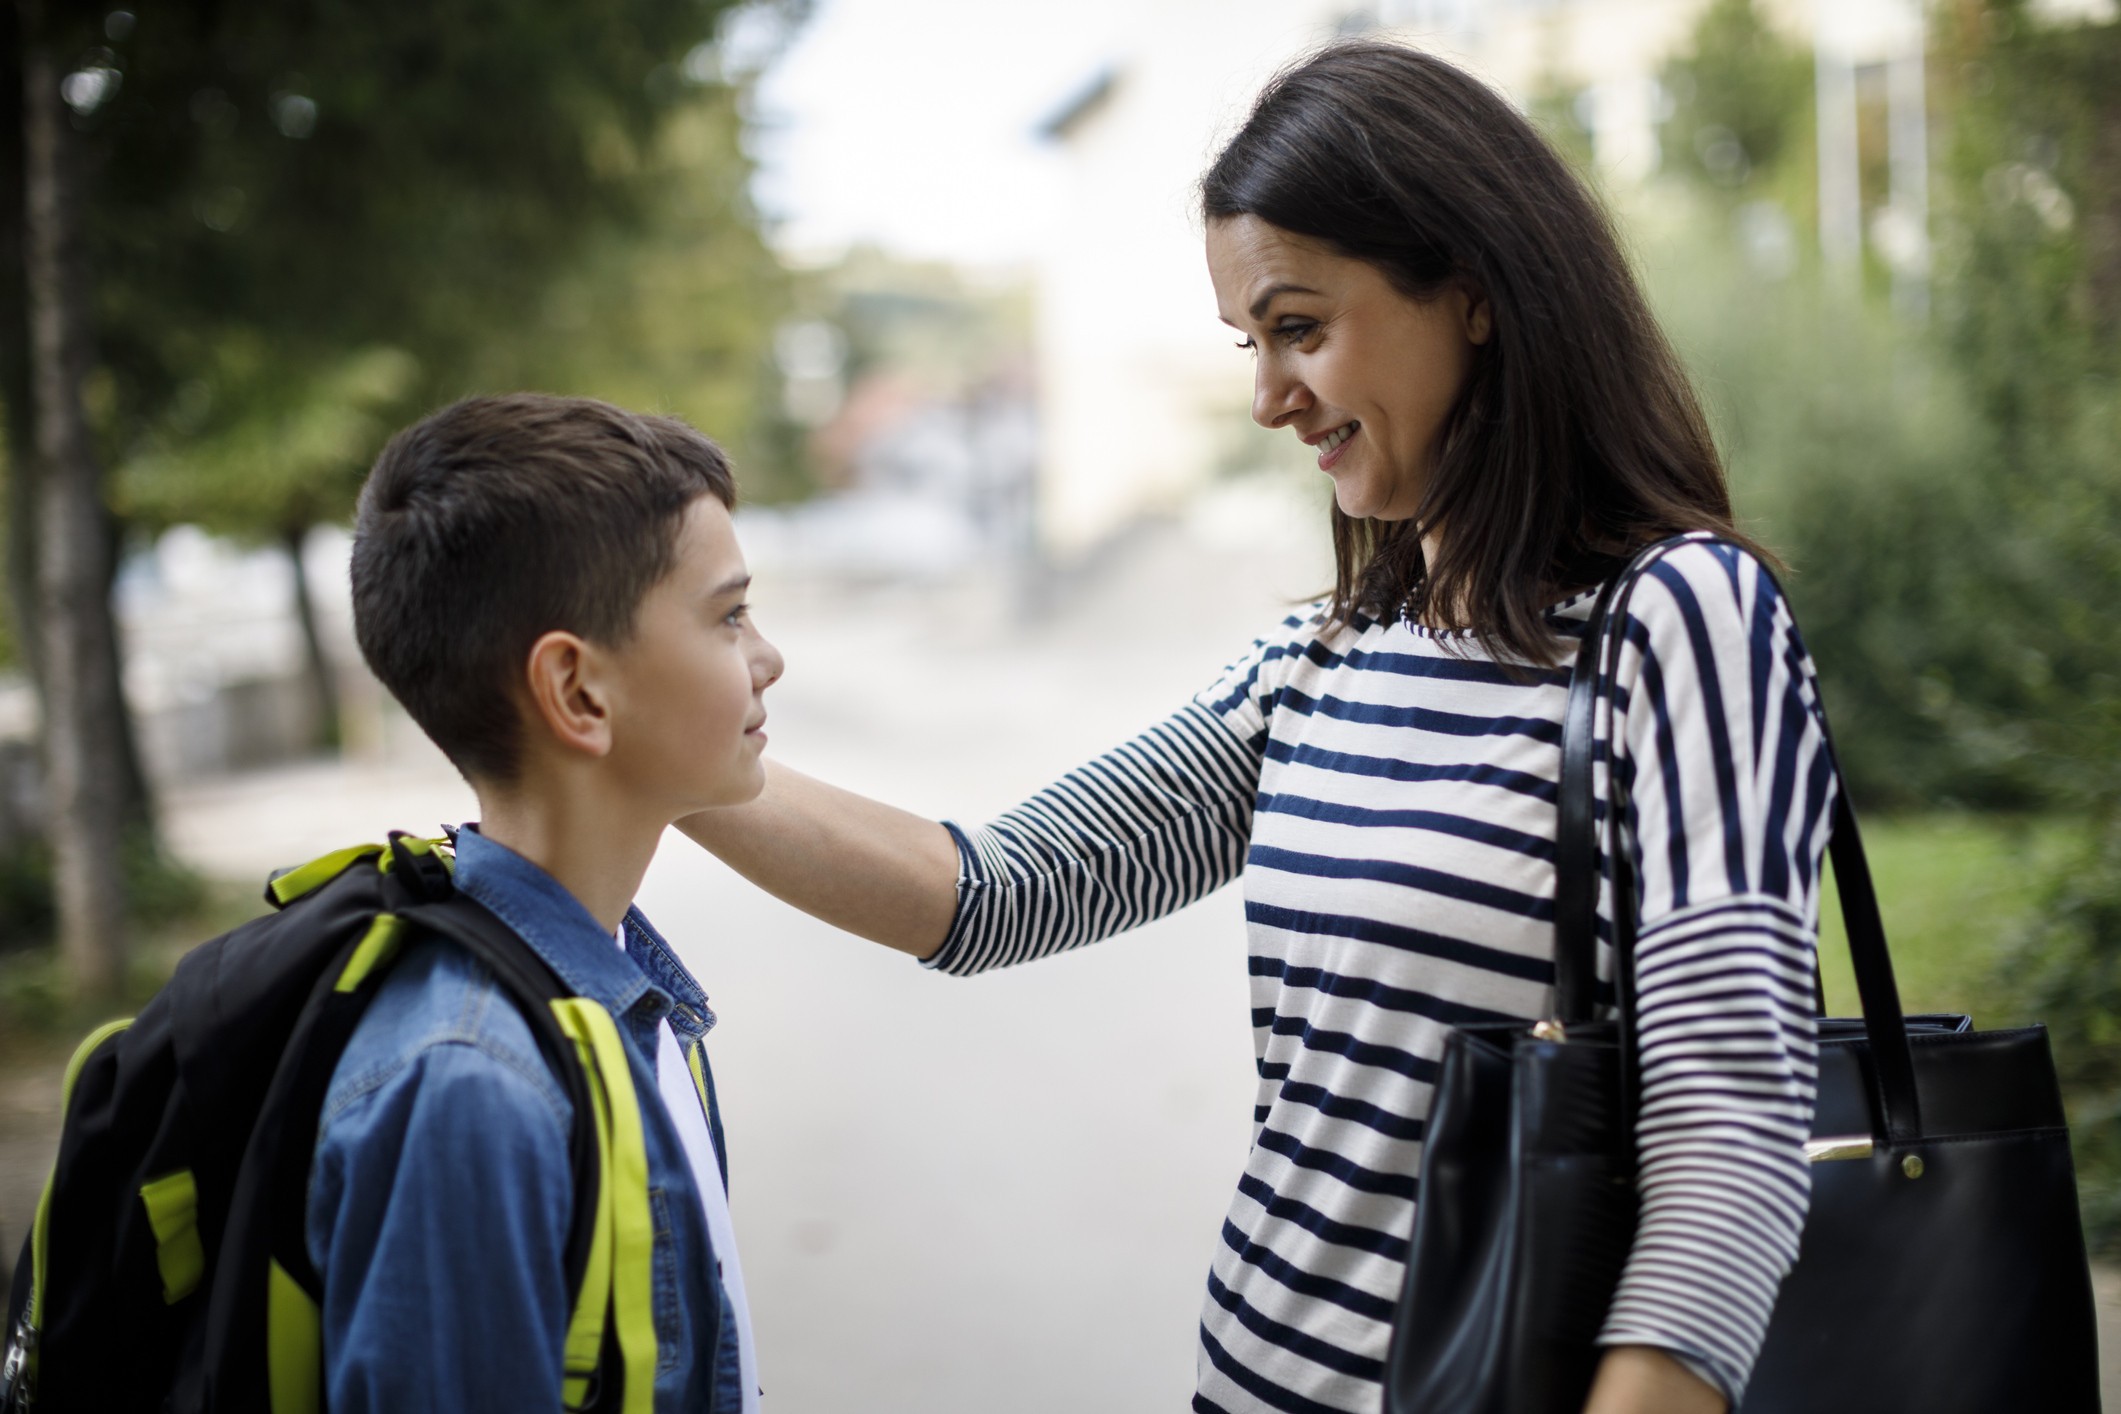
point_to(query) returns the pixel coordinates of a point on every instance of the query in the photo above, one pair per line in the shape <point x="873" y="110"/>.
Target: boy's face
<point x="687" y="690"/>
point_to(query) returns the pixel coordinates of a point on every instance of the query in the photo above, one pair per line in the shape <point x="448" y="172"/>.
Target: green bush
<point x="2066" y="971"/>
<point x="1947" y="494"/>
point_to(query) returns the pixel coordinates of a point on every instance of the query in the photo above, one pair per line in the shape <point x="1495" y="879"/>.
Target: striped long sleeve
<point x="1389" y="794"/>
<point x="1729" y="793"/>
<point x="1140" y="832"/>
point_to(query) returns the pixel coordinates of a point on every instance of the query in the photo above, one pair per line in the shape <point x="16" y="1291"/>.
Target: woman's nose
<point x="1276" y="397"/>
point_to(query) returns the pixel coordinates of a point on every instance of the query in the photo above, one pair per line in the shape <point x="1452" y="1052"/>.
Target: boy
<point x="553" y="590"/>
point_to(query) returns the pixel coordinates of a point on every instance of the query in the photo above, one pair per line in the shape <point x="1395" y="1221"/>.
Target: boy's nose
<point x="767" y="665"/>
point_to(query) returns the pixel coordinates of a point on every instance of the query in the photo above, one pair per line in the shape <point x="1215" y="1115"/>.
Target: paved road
<point x="952" y="1195"/>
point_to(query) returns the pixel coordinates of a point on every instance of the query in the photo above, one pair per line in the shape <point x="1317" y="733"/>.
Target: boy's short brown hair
<point x="497" y="520"/>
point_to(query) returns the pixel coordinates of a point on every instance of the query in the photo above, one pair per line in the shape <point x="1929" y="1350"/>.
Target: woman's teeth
<point x="1331" y="442"/>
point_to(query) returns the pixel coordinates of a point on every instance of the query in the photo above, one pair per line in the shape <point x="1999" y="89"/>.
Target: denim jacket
<point x="440" y="1197"/>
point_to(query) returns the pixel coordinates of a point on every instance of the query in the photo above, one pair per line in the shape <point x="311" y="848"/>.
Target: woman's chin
<point x="1360" y="502"/>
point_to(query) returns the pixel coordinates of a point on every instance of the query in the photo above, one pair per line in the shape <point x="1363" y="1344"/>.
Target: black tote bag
<point x="1942" y="1267"/>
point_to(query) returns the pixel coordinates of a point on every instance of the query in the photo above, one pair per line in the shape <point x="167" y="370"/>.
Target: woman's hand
<point x="1639" y="1379"/>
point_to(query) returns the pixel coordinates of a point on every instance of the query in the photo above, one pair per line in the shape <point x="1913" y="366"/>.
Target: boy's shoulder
<point x="442" y="1019"/>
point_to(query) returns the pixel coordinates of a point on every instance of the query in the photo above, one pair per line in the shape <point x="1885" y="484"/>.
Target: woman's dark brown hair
<point x="1577" y="437"/>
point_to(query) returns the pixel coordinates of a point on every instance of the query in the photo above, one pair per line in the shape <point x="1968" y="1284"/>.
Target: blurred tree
<point x="676" y="308"/>
<point x="304" y="222"/>
<point x="2031" y="306"/>
<point x="82" y="708"/>
<point x="1950" y="496"/>
<point x="275" y="472"/>
<point x="1740" y="97"/>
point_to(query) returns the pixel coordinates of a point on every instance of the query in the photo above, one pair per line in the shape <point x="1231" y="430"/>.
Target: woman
<point x="1434" y="303"/>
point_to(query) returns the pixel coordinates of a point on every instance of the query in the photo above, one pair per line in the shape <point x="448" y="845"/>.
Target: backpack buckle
<point x="16" y="1396"/>
<point x="424" y="872"/>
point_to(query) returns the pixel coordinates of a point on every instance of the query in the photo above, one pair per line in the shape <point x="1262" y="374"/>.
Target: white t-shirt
<point x="674" y="1079"/>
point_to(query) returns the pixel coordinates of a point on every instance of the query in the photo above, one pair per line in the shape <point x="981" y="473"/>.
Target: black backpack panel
<point x="155" y="1286"/>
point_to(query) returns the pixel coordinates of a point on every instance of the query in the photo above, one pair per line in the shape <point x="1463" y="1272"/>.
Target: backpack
<point x="167" y="1267"/>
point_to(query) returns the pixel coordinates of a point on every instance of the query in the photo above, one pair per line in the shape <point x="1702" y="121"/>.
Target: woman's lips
<point x="1330" y="455"/>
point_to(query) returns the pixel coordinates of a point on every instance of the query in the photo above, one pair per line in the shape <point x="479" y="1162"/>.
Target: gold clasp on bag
<point x="1549" y="1030"/>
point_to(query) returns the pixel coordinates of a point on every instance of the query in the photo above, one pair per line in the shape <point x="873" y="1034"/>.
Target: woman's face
<point x="1362" y="373"/>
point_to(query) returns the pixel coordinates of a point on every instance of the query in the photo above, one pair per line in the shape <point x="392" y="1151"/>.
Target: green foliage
<point x="287" y="463"/>
<point x="2066" y="972"/>
<point x="160" y="892"/>
<point x="1950" y="500"/>
<point x="1853" y="456"/>
<point x="676" y="312"/>
<point x="1958" y="891"/>
<point x="1741" y="98"/>
<point x="2030" y="307"/>
<point x="25" y="894"/>
<point x="310" y="223"/>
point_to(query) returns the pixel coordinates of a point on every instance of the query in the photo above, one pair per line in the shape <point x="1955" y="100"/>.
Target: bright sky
<point x="908" y="123"/>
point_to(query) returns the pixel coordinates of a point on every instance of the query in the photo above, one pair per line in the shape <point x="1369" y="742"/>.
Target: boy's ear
<point x="567" y="693"/>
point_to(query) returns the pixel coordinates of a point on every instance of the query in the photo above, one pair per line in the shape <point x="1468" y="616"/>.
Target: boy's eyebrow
<point x="731" y="586"/>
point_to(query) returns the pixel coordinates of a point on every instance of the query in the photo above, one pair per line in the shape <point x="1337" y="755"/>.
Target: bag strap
<point x="1578" y="870"/>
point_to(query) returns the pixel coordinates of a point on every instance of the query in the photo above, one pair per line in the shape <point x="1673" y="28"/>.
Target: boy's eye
<point x="735" y="617"/>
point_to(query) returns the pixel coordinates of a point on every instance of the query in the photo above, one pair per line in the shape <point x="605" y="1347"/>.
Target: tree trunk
<point x="136" y="796"/>
<point x="323" y="683"/>
<point x="83" y="732"/>
<point x="15" y="394"/>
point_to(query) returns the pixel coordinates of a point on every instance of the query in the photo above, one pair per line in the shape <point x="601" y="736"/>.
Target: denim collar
<point x="555" y="925"/>
<point x="645" y="947"/>
<point x="559" y="930"/>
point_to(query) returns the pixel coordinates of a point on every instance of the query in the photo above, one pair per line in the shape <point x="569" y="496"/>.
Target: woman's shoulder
<point x="1705" y="590"/>
<point x="1305" y="633"/>
<point x="1707" y="614"/>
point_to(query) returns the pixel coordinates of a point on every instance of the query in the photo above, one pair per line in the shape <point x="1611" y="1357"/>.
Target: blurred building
<point x="1138" y="383"/>
<point x="914" y="382"/>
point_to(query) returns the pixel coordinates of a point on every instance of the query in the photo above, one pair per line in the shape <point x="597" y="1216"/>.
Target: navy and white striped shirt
<point x="1390" y="797"/>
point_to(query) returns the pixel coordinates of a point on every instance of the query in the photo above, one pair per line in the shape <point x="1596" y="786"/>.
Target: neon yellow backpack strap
<point x="294" y="1345"/>
<point x="40" y="1233"/>
<point x="284" y="888"/>
<point x="622" y="1252"/>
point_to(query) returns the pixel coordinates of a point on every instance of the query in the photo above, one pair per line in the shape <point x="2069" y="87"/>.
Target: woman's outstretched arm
<point x="1142" y="831"/>
<point x="882" y="873"/>
<point x="1137" y="833"/>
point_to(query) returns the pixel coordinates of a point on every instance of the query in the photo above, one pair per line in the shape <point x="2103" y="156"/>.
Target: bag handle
<point x="1578" y="871"/>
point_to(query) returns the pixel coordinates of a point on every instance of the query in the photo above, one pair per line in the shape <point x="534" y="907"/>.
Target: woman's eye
<point x="1294" y="331"/>
<point x="1248" y="345"/>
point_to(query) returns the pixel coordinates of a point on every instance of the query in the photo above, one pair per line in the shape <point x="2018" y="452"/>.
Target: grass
<point x="1955" y="891"/>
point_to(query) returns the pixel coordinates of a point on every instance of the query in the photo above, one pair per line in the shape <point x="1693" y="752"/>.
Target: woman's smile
<point x="1331" y="445"/>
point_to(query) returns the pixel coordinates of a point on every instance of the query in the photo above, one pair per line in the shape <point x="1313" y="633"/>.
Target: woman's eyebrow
<point x="1266" y="296"/>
